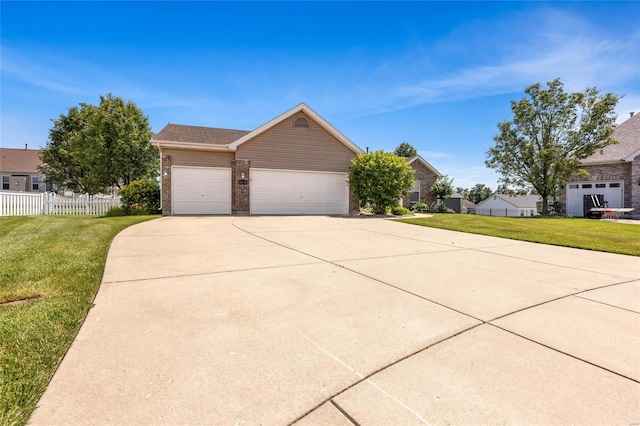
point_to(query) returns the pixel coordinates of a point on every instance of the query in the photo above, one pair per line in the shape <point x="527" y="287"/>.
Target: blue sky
<point x="439" y="75"/>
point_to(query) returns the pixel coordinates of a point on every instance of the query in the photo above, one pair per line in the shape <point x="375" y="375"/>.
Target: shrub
<point x="380" y="179"/>
<point x="115" y="212"/>
<point x="400" y="211"/>
<point x="420" y="207"/>
<point x="141" y="197"/>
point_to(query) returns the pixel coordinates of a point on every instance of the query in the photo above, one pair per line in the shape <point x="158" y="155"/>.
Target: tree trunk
<point x="545" y="206"/>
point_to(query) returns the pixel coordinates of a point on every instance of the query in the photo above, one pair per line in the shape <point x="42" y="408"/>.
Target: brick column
<point x="165" y="171"/>
<point x="635" y="187"/>
<point x="240" y="187"/>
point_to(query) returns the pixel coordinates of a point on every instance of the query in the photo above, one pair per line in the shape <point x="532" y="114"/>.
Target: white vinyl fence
<point x="25" y="204"/>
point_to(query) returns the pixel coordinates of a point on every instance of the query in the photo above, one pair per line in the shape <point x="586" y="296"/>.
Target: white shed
<point x="509" y="205"/>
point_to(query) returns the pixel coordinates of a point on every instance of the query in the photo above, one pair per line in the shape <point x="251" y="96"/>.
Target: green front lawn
<point x="58" y="261"/>
<point x="588" y="234"/>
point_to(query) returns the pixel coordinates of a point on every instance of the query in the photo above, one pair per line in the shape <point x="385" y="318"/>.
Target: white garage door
<point x="296" y="192"/>
<point x="200" y="190"/>
<point x="612" y="192"/>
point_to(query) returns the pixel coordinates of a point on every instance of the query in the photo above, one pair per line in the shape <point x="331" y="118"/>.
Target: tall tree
<point x="550" y="133"/>
<point x="442" y="188"/>
<point x="380" y="179"/>
<point x="405" y="149"/>
<point x="479" y="192"/>
<point x="463" y="191"/>
<point x="94" y="148"/>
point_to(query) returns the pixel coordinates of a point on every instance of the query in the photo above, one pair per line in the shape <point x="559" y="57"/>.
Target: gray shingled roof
<point x="19" y="160"/>
<point x="628" y="135"/>
<point x="198" y="134"/>
<point x="520" y="201"/>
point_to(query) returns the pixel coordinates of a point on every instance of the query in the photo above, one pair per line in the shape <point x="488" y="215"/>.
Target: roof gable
<point x="312" y="114"/>
<point x="627" y="148"/>
<point x="19" y="160"/>
<point x="424" y="162"/>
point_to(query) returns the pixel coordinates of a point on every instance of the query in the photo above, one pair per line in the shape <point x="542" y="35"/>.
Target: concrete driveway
<point x="324" y="320"/>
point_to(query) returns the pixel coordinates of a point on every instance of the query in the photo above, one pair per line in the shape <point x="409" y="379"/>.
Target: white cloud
<point x="534" y="48"/>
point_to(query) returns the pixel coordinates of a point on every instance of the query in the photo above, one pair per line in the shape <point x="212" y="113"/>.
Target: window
<point x="35" y="183"/>
<point x="574" y="186"/>
<point x="614" y="185"/>
<point x="301" y="122"/>
<point x="6" y="183"/>
<point x="601" y="185"/>
<point x="587" y="185"/>
<point x="415" y="192"/>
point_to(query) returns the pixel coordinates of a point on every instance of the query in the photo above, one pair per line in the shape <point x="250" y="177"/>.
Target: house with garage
<point x="19" y="170"/>
<point x="297" y="163"/>
<point x="425" y="176"/>
<point x="509" y="205"/>
<point x="459" y="204"/>
<point x="614" y="173"/>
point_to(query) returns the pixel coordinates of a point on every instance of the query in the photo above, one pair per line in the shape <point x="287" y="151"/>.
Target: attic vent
<point x="301" y="122"/>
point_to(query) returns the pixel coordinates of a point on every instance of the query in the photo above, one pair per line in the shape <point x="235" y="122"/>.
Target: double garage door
<point x="207" y="190"/>
<point x="576" y="191"/>
<point x="296" y="192"/>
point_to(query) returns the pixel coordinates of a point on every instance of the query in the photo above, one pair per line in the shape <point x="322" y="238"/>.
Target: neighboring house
<point x="614" y="173"/>
<point x="509" y="205"/>
<point x="468" y="207"/>
<point x="425" y="176"/>
<point x="458" y="203"/>
<point x="455" y="202"/>
<point x="296" y="163"/>
<point x="19" y="170"/>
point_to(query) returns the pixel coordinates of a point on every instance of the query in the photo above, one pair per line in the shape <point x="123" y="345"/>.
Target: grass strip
<point x="588" y="234"/>
<point x="58" y="261"/>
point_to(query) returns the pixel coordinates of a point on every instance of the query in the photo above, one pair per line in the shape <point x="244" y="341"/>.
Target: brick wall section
<point x="240" y="193"/>
<point x="635" y="187"/>
<point x="608" y="172"/>
<point x="166" y="184"/>
<point x="427" y="177"/>
<point x="354" y="204"/>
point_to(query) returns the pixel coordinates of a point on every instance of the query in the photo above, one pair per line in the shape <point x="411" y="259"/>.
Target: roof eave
<point x="425" y="162"/>
<point x="191" y="145"/>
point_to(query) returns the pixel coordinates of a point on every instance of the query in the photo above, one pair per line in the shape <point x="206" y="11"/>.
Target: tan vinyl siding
<point x="296" y="148"/>
<point x="185" y="157"/>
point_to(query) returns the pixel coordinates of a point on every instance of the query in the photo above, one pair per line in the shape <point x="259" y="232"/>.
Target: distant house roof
<point x="419" y="159"/>
<point x="627" y="148"/>
<point x="468" y="204"/>
<point x="518" y="201"/>
<point x="19" y="160"/>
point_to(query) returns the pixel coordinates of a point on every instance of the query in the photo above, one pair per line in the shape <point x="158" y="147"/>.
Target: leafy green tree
<point x="463" y="191"/>
<point x="479" y="192"/>
<point x="92" y="148"/>
<point x="405" y="149"/>
<point x="380" y="179"/>
<point x="550" y="133"/>
<point x="504" y="189"/>
<point x="442" y="188"/>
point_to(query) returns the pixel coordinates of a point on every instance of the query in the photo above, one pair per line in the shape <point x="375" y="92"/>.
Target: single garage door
<point x="200" y="190"/>
<point x="298" y="192"/>
<point x="612" y="192"/>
